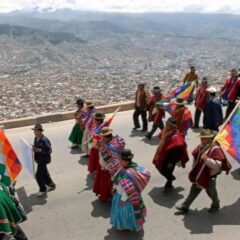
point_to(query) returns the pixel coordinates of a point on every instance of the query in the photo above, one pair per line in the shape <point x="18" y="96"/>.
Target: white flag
<point x="27" y="156"/>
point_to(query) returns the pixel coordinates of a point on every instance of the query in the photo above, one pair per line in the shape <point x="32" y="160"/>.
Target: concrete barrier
<point x="57" y="117"/>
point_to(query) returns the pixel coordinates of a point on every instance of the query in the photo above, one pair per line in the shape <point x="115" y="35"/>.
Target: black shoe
<point x="213" y="209"/>
<point x="135" y="128"/>
<point x="144" y="130"/>
<point x="168" y="186"/>
<point x="148" y="136"/>
<point x="182" y="209"/>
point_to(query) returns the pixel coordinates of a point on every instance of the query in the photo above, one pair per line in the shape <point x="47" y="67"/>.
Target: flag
<point x="229" y="136"/>
<point x="27" y="156"/>
<point x="10" y="166"/>
<point x="107" y="122"/>
<point x="94" y="136"/>
<point x="184" y="92"/>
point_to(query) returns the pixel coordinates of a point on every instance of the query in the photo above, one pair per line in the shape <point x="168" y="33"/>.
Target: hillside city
<point x="38" y="76"/>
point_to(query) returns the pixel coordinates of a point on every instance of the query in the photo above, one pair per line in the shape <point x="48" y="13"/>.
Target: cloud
<point x="126" y="5"/>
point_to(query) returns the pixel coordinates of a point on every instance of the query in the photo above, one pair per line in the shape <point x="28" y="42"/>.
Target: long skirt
<point x="9" y="214"/>
<point x="103" y="185"/>
<point x="93" y="161"/>
<point x="122" y="217"/>
<point x="76" y="134"/>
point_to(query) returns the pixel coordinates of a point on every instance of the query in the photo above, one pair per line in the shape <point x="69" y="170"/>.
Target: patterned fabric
<point x="133" y="180"/>
<point x="111" y="153"/>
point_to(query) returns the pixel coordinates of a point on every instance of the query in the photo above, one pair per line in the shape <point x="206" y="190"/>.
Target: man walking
<point x="200" y="101"/>
<point x="142" y="98"/>
<point x="171" y="149"/>
<point x="213" y="115"/>
<point x="209" y="160"/>
<point x="42" y="154"/>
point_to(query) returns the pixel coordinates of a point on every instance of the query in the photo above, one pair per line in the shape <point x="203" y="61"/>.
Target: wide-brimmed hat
<point x="99" y="116"/>
<point x="106" y="131"/>
<point x="207" y="133"/>
<point x="89" y="104"/>
<point x="79" y="101"/>
<point x="156" y="89"/>
<point x="38" y="127"/>
<point x="180" y="101"/>
<point x="212" y="89"/>
<point x="127" y="155"/>
<point x="172" y="122"/>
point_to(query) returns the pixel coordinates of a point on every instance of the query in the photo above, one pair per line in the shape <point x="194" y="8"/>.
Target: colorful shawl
<point x="133" y="180"/>
<point x="111" y="153"/>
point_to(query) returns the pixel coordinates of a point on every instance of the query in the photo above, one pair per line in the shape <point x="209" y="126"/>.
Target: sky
<point x="203" y="6"/>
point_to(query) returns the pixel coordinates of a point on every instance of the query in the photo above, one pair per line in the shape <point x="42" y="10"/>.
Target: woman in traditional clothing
<point x="10" y="216"/>
<point x="128" y="210"/>
<point x="93" y="162"/>
<point x="77" y="132"/>
<point x="87" y="123"/>
<point x="110" y="148"/>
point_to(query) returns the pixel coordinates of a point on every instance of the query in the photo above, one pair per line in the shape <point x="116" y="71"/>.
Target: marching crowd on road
<point x="117" y="177"/>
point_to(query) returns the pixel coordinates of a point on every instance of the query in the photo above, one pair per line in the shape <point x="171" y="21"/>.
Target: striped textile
<point x="133" y="181"/>
<point x="111" y="154"/>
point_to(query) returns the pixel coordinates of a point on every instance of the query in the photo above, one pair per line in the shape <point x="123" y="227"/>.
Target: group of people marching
<point x="112" y="163"/>
<point x="209" y="159"/>
<point x="116" y="177"/>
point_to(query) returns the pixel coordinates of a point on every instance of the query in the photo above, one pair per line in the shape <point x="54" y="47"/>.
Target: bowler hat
<point x="207" y="133"/>
<point x="80" y="101"/>
<point x="172" y="122"/>
<point x="180" y="101"/>
<point x="106" y="131"/>
<point x="99" y="116"/>
<point x="127" y="155"/>
<point x="156" y="89"/>
<point x="89" y="104"/>
<point x="38" y="127"/>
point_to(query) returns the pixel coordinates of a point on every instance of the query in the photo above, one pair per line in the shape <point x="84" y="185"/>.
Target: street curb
<point x="63" y="116"/>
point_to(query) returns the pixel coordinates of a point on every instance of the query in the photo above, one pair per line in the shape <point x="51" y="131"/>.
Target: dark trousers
<point x="230" y="107"/>
<point x="197" y="116"/>
<point x="43" y="177"/>
<point x="167" y="170"/>
<point x="143" y="114"/>
<point x="155" y="127"/>
<point x="20" y="235"/>
<point x="195" y="191"/>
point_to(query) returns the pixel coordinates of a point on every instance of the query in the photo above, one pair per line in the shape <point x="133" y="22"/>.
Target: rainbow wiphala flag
<point x="229" y="136"/>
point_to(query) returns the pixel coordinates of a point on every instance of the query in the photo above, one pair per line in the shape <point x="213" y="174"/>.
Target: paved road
<point x="73" y="212"/>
